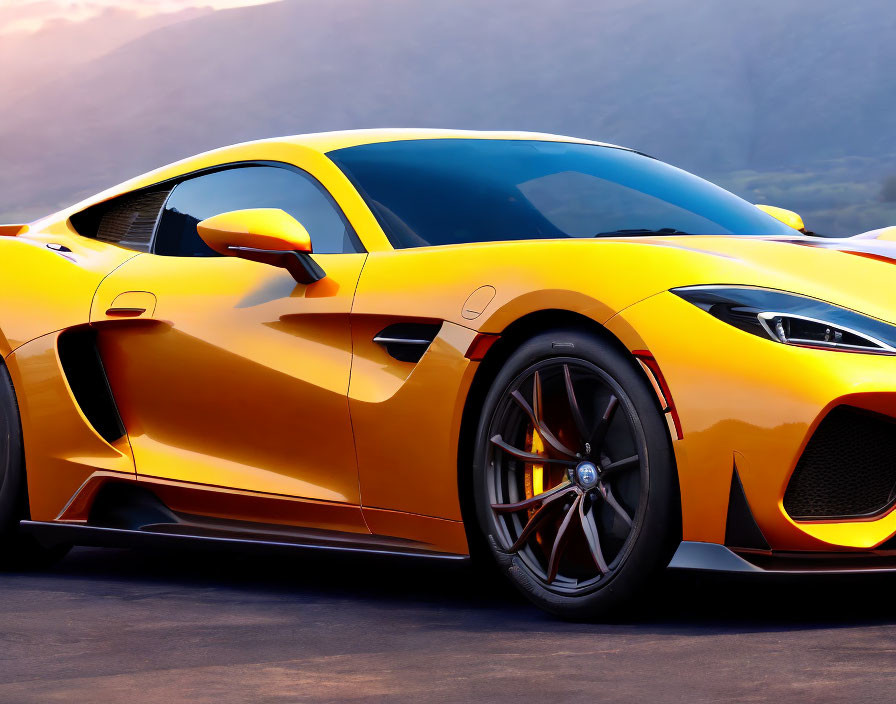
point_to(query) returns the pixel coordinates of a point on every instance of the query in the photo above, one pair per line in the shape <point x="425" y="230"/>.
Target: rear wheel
<point x="575" y="486"/>
<point x="16" y="550"/>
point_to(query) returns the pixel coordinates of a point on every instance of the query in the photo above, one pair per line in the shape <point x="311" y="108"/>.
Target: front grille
<point x="848" y="469"/>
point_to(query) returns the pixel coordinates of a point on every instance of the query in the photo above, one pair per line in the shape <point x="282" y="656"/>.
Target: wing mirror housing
<point x="267" y="235"/>
<point x="788" y="217"/>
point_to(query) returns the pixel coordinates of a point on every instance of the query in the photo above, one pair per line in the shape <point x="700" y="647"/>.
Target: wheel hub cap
<point x="587" y="475"/>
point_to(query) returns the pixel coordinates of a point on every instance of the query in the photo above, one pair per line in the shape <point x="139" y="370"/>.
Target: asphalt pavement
<point x="134" y="626"/>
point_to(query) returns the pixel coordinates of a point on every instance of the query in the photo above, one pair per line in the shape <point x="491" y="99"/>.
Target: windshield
<point x="452" y="191"/>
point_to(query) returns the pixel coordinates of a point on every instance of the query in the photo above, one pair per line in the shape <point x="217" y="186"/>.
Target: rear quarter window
<point x="127" y="221"/>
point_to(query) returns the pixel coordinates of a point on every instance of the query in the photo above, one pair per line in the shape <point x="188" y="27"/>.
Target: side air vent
<point x="124" y="505"/>
<point x="87" y="379"/>
<point x="848" y="469"/>
<point x="128" y="221"/>
<point x="408" y="341"/>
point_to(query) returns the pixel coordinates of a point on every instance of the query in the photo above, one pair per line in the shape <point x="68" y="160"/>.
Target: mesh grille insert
<point x="848" y="468"/>
<point x="130" y="223"/>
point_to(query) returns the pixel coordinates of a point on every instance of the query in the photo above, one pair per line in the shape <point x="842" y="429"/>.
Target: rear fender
<point x="5" y="348"/>
<point x="44" y="289"/>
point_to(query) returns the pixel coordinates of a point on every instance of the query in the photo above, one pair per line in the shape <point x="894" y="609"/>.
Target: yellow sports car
<point x="561" y="355"/>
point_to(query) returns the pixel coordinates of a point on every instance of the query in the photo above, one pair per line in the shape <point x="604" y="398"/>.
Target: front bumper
<point x="748" y="407"/>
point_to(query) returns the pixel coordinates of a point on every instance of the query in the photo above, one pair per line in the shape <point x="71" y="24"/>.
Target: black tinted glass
<point x="250" y="187"/>
<point x="449" y="191"/>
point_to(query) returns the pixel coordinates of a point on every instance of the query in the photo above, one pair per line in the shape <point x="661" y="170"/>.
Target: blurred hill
<point x="785" y="101"/>
<point x="31" y="59"/>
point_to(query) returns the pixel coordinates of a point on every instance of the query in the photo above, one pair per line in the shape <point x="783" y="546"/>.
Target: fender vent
<point x="86" y="376"/>
<point x="407" y="342"/>
<point x="848" y="469"/>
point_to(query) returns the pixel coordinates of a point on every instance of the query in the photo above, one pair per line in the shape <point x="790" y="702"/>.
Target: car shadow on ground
<point x="679" y="603"/>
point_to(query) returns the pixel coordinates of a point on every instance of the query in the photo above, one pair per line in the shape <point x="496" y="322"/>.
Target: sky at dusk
<point x="97" y="91"/>
<point x="30" y="15"/>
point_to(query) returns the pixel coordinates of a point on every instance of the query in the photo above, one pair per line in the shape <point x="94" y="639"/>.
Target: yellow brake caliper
<point x="534" y="478"/>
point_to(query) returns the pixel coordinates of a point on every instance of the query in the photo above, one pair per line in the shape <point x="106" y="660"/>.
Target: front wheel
<point x="574" y="481"/>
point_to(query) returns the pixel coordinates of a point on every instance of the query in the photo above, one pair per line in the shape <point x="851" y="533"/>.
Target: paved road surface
<point x="133" y="627"/>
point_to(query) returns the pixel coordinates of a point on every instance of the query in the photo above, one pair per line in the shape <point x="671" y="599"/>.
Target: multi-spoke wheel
<point x="575" y="487"/>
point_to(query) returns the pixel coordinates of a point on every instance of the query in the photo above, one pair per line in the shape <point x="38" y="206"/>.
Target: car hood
<point x="856" y="272"/>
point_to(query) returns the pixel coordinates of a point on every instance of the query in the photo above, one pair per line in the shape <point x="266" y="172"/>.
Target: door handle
<point x="120" y="312"/>
<point x="132" y="304"/>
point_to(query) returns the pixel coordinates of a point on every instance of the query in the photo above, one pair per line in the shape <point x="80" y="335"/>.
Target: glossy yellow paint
<point x="788" y="217"/>
<point x="261" y="228"/>
<point x="773" y="398"/>
<point x="241" y="382"/>
<point x="238" y="368"/>
<point x="42" y="291"/>
<point x="407" y="418"/>
<point x="62" y="450"/>
<point x="777" y="394"/>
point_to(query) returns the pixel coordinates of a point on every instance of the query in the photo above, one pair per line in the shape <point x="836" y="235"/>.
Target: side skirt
<point x="50" y="534"/>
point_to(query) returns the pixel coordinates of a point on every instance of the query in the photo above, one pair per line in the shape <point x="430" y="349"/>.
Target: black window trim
<point x="174" y="181"/>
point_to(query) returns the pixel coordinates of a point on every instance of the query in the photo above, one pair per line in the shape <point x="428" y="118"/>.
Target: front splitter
<point x="712" y="557"/>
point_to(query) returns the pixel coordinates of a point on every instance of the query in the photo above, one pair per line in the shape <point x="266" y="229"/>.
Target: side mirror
<point x="788" y="217"/>
<point x="266" y="235"/>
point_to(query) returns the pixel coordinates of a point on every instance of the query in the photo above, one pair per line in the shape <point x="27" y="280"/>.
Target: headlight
<point x="793" y="320"/>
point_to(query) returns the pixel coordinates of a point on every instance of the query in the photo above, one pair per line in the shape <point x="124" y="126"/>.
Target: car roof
<point x="321" y="142"/>
<point x="329" y="141"/>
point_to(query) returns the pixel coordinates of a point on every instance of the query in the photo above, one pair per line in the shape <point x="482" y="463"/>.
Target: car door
<point x="226" y="372"/>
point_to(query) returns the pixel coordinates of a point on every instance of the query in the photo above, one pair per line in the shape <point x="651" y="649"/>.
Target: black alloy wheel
<point x="575" y="484"/>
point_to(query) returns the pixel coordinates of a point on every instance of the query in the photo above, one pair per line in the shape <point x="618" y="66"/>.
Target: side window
<point x="244" y="187"/>
<point x="127" y="221"/>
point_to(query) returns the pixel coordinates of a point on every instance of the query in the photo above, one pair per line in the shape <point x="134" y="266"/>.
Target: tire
<point x="16" y="550"/>
<point x="554" y="398"/>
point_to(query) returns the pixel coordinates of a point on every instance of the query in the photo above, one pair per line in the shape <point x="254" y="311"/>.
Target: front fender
<point x="752" y="403"/>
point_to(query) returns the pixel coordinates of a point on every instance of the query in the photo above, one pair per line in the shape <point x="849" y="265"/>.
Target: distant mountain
<point x="30" y="59"/>
<point x="787" y="99"/>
